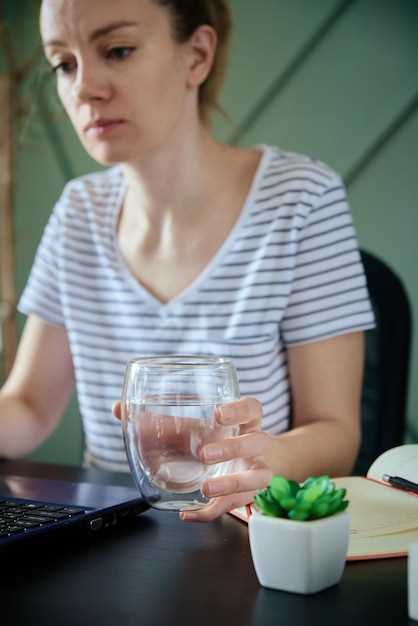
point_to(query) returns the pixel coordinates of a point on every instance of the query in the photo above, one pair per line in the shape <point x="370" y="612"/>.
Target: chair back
<point x="388" y="347"/>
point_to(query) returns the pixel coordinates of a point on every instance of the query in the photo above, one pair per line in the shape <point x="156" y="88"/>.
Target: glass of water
<point x="168" y="414"/>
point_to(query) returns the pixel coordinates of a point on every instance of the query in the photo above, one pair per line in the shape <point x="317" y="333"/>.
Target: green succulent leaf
<point x="334" y="506"/>
<point x="280" y="488"/>
<point x="294" y="487"/>
<point x="309" y="481"/>
<point x="287" y="503"/>
<point x="267" y="506"/>
<point x="340" y="492"/>
<point x="320" y="509"/>
<point x="303" y="505"/>
<point x="313" y="480"/>
<point x="315" y="490"/>
<point x="331" y="487"/>
<point x="317" y="497"/>
<point x="298" y="515"/>
<point x="343" y="506"/>
<point x="273" y="502"/>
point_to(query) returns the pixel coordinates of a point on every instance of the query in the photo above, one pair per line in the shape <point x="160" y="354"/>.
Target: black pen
<point x="401" y="483"/>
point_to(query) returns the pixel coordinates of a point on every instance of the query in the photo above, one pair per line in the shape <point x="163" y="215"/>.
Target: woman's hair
<point x="186" y="17"/>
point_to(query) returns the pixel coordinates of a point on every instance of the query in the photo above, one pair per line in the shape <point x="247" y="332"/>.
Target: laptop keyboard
<point x="20" y="516"/>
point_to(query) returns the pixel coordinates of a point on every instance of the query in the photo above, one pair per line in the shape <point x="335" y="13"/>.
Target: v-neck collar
<point x="213" y="263"/>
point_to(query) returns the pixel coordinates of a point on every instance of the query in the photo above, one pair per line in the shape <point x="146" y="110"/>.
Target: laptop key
<point x="61" y="515"/>
<point x="52" y="507"/>
<point x="50" y="516"/>
<point x="23" y="524"/>
<point x="72" y="510"/>
<point x="36" y="518"/>
<point x="12" y="509"/>
<point x="13" y="530"/>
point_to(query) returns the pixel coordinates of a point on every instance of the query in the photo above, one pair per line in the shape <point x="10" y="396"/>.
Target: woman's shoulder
<point x="95" y="186"/>
<point x="291" y="166"/>
<point x="288" y="191"/>
<point x="293" y="184"/>
<point x="91" y="193"/>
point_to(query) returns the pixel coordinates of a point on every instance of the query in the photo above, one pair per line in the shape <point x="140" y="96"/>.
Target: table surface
<point x="161" y="571"/>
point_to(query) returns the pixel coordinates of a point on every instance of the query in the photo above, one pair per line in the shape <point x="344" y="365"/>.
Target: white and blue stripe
<point x="288" y="273"/>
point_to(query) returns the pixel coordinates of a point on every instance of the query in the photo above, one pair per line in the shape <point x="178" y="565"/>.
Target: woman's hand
<point x="246" y="451"/>
<point x="250" y="472"/>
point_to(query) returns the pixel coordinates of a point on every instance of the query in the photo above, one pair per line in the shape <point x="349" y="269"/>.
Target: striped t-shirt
<point x="289" y="272"/>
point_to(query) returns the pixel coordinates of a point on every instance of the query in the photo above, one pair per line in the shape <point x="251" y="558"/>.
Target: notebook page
<point x="400" y="461"/>
<point x="384" y="546"/>
<point x="377" y="509"/>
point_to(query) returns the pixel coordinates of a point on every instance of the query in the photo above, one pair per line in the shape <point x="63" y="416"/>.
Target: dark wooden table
<point x="159" y="570"/>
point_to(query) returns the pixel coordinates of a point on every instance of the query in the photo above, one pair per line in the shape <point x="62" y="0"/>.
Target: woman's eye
<point x="64" y="67"/>
<point x="119" y="53"/>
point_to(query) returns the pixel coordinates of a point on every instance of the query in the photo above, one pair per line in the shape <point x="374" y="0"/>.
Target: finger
<point x="244" y="446"/>
<point x="247" y="411"/>
<point x="217" y="507"/>
<point x="117" y="409"/>
<point x="239" y="482"/>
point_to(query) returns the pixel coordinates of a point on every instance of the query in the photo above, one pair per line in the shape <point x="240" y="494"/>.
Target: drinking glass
<point x="168" y="414"/>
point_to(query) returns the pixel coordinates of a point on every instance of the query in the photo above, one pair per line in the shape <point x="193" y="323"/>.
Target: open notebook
<point x="384" y="519"/>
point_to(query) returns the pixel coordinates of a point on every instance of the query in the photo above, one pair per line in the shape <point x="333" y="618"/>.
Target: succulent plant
<point x="317" y="497"/>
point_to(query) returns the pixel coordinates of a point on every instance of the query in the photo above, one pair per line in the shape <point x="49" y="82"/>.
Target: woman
<point x="186" y="245"/>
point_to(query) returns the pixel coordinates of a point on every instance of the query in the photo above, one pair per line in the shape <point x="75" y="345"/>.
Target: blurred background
<point x="337" y="80"/>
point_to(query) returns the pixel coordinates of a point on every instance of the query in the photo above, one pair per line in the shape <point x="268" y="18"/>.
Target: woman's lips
<point x="103" y="127"/>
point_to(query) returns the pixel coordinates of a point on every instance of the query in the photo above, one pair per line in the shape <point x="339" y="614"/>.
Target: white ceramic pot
<point x="303" y="557"/>
<point x="413" y="581"/>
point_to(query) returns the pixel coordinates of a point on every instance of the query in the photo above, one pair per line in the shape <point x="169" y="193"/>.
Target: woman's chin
<point x="107" y="156"/>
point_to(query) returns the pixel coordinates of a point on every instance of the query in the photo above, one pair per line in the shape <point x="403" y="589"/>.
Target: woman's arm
<point x="37" y="389"/>
<point x="326" y="382"/>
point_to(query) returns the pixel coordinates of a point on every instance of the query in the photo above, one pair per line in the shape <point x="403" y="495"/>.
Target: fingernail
<point x="188" y="517"/>
<point x="226" y="414"/>
<point x="216" y="489"/>
<point x="208" y="489"/>
<point x="212" y="453"/>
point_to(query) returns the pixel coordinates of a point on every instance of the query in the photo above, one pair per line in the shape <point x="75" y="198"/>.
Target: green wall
<point x="335" y="79"/>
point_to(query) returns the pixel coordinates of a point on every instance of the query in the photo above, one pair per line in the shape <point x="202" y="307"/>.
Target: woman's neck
<point x="175" y="181"/>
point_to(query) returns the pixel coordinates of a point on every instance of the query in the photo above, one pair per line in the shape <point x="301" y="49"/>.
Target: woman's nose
<point x="91" y="84"/>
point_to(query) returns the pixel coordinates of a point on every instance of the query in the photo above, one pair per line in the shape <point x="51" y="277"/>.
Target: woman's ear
<point x="202" y="47"/>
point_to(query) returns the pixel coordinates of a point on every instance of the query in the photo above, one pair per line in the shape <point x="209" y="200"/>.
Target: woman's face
<point x="123" y="80"/>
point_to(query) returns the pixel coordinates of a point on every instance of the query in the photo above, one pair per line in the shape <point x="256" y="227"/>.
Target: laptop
<point x="38" y="507"/>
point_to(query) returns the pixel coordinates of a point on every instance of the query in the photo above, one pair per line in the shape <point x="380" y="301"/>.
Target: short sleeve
<point x="41" y="295"/>
<point x="329" y="293"/>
